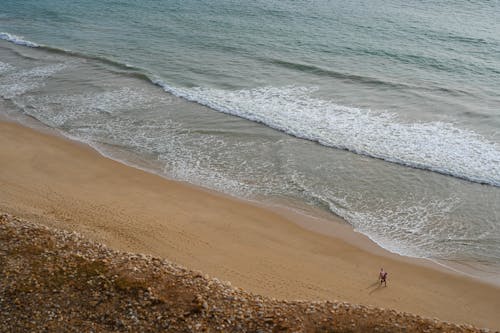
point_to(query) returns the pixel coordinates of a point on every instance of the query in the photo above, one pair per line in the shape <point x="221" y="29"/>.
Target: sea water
<point x="386" y="113"/>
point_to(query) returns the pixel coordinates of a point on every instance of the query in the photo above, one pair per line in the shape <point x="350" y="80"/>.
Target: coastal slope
<point x="58" y="281"/>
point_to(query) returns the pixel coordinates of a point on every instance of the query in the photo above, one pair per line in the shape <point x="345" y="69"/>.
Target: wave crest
<point x="17" y="40"/>
<point x="435" y="146"/>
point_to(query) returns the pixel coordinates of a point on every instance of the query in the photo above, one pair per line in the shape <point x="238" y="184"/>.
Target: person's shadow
<point x="376" y="286"/>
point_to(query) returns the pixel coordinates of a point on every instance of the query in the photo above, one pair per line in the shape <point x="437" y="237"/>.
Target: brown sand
<point x="70" y="186"/>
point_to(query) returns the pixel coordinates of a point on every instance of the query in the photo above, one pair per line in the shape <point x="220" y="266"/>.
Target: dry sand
<point x="64" y="184"/>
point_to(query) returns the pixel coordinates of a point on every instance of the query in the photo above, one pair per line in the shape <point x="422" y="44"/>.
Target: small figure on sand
<point x="383" y="277"/>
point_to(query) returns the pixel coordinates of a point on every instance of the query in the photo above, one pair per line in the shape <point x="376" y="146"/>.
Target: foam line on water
<point x="435" y="146"/>
<point x="101" y="120"/>
<point x="19" y="81"/>
<point x="17" y="40"/>
<point x="411" y="229"/>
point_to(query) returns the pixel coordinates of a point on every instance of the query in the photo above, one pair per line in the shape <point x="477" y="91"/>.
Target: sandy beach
<point x="68" y="185"/>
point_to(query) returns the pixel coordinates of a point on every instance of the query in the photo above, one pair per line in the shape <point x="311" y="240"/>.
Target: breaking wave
<point x="435" y="146"/>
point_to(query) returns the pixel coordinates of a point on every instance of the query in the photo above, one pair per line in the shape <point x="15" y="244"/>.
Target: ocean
<point x="386" y="113"/>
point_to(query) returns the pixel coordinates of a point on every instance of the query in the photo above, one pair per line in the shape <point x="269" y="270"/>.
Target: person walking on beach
<point x="383" y="277"/>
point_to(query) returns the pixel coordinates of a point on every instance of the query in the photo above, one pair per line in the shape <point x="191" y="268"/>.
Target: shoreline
<point x="262" y="249"/>
<point x="317" y="220"/>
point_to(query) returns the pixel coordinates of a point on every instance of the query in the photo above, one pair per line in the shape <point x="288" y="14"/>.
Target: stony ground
<point x="55" y="281"/>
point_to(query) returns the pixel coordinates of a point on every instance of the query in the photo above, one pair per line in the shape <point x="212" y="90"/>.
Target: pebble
<point x="84" y="286"/>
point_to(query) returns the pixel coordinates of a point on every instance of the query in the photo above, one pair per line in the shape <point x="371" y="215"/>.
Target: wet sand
<point x="70" y="186"/>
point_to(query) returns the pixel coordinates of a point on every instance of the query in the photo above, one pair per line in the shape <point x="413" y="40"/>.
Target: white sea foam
<point x="436" y="146"/>
<point x="17" y="40"/>
<point x="19" y="81"/>
<point x="416" y="226"/>
<point x="415" y="229"/>
<point x="4" y="67"/>
<point x="73" y="110"/>
<point x="102" y="118"/>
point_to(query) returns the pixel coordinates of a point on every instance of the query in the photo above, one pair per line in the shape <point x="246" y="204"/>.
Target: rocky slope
<point x="56" y="281"/>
